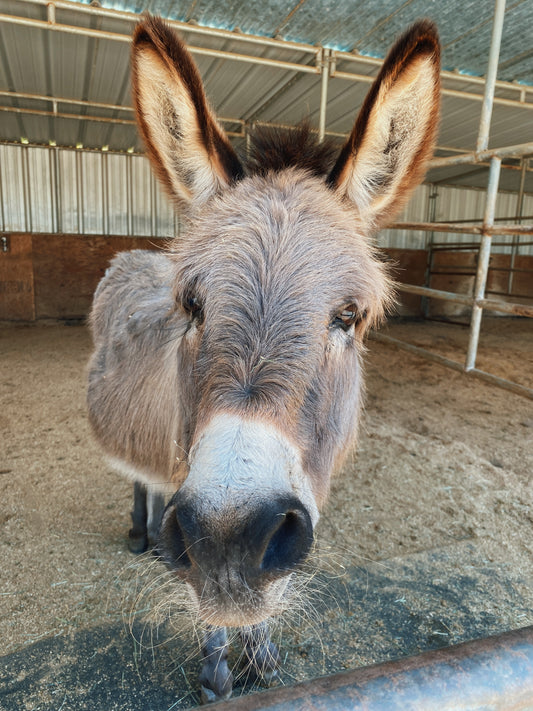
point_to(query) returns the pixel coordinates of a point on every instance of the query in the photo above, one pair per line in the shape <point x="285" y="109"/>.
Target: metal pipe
<point x="183" y="26"/>
<point x="522" y="89"/>
<point x="324" y="68"/>
<point x="2" y="210"/>
<point x="488" y="97"/>
<point x="491" y="673"/>
<point x="26" y="189"/>
<point x="456" y="94"/>
<point x="79" y="194"/>
<point x="133" y="17"/>
<point x="451" y="246"/>
<point x="77" y="117"/>
<point x="53" y="191"/>
<point x="517" y="151"/>
<point x="105" y="193"/>
<point x="454" y="365"/>
<point x="63" y="100"/>
<point x="519" y="207"/>
<point x="483" y="263"/>
<point x="153" y="198"/>
<point x="59" y="202"/>
<point x="461" y="229"/>
<point x="493" y="304"/>
<point x="129" y="195"/>
<point x="116" y="37"/>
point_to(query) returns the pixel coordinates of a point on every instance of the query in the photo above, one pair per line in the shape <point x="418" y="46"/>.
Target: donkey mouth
<point x="239" y="608"/>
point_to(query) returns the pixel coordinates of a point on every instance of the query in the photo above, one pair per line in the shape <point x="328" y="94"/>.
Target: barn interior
<point x="426" y="541"/>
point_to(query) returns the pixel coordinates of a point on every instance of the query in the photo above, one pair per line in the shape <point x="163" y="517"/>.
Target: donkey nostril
<point x="172" y="546"/>
<point x="289" y="543"/>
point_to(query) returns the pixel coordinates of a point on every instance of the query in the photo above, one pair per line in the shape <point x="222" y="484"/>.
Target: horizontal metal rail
<point x="462" y="229"/>
<point x="468" y="95"/>
<point x="451" y="246"/>
<point x="117" y="37"/>
<point x="492" y="673"/>
<point x="455" y="365"/>
<point x="133" y="17"/>
<point x="471" y="157"/>
<point x="64" y="115"/>
<point x="508" y="307"/>
<point x="522" y="89"/>
<point x="86" y="117"/>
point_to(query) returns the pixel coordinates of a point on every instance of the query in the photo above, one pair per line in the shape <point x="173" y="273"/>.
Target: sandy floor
<point x="444" y="469"/>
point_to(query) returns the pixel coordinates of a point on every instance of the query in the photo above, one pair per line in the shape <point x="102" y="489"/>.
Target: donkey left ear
<point x="189" y="152"/>
<point x="394" y="136"/>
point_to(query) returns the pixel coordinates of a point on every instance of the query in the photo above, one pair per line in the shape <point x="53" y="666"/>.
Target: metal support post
<point x="105" y="194"/>
<point x="79" y="193"/>
<point x="324" y="68"/>
<point x="490" y="82"/>
<point x="483" y="263"/>
<point x="519" y="208"/>
<point x="26" y="189"/>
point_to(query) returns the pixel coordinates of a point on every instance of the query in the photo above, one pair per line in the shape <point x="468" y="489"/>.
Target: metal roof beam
<point x="117" y="37"/>
<point x="132" y="17"/>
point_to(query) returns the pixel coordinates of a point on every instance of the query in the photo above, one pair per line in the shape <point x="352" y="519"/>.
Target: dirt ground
<point x="426" y="541"/>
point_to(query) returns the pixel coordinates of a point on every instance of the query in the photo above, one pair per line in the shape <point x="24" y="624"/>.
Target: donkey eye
<point x="348" y="317"/>
<point x="192" y="306"/>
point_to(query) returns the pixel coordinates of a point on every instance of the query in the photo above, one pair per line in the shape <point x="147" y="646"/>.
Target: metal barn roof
<point x="64" y="68"/>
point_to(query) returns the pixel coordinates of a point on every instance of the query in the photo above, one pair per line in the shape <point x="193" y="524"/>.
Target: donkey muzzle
<point x="265" y="541"/>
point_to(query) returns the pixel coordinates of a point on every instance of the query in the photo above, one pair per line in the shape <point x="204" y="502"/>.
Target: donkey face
<point x="276" y="283"/>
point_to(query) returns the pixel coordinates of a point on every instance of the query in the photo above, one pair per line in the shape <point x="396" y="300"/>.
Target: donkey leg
<point x="155" y="505"/>
<point x="261" y="653"/>
<point x="215" y="677"/>
<point x="138" y="536"/>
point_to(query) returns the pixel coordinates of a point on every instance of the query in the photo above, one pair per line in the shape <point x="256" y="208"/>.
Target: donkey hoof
<point x="137" y="542"/>
<point x="208" y="696"/>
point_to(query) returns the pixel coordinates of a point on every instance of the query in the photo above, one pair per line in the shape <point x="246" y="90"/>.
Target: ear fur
<point x="394" y="135"/>
<point x="188" y="150"/>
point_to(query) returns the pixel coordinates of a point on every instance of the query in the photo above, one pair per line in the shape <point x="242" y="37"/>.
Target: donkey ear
<point x="394" y="135"/>
<point x="188" y="150"/>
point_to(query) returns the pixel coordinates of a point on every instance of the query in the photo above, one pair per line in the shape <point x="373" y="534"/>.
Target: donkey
<point x="229" y="367"/>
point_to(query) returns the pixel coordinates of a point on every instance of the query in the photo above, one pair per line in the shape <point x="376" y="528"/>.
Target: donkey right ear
<point x="386" y="155"/>
<point x="188" y="150"/>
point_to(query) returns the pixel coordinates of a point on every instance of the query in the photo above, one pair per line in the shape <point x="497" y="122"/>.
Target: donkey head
<point x="276" y="284"/>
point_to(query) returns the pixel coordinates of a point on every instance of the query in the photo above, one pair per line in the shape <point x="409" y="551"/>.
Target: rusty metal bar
<point x="461" y="229"/>
<point x="517" y="309"/>
<point x="455" y="365"/>
<point x="494" y="673"/>
<point x="516" y="151"/>
<point x="451" y="246"/>
<point x="519" y="207"/>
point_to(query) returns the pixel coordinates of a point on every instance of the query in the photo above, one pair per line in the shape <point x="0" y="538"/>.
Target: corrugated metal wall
<point x="81" y="192"/>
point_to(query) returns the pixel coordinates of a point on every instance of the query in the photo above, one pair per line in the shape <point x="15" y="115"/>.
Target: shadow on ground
<point x="370" y="614"/>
